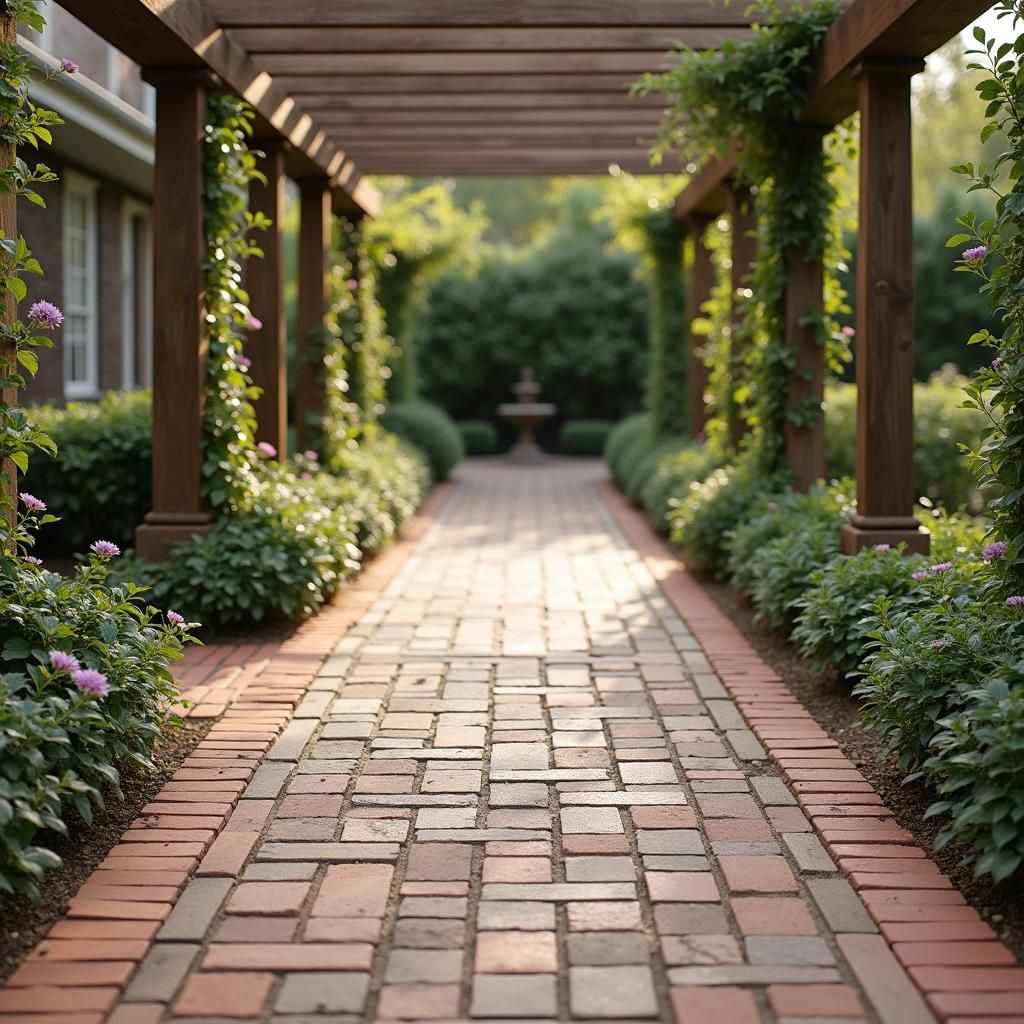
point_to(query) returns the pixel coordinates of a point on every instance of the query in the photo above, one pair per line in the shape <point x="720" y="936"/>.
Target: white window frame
<point x="86" y="188"/>
<point x="133" y="373"/>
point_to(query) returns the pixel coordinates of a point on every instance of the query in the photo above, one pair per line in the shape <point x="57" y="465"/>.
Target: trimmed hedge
<point x="584" y="437"/>
<point x="429" y="429"/>
<point x="479" y="437"/>
<point x="99" y="482"/>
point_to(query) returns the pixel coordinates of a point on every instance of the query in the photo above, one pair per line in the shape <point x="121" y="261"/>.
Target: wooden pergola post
<point x="180" y="342"/>
<point x="314" y="299"/>
<point x="702" y="279"/>
<point x="885" y="313"/>
<point x="264" y="282"/>
<point x="743" y="223"/>
<point x="805" y="297"/>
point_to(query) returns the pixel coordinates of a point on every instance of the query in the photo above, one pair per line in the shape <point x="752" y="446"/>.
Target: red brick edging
<point x="966" y="975"/>
<point x="75" y="975"/>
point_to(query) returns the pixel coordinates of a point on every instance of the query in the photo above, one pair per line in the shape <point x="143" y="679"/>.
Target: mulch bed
<point x="828" y="699"/>
<point x="82" y="849"/>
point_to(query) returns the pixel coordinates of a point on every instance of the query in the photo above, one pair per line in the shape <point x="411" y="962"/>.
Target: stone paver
<point x="533" y="774"/>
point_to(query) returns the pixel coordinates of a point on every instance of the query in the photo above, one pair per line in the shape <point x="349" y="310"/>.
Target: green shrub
<point x="773" y="553"/>
<point x="302" y="536"/>
<point x="702" y="520"/>
<point x="59" y="743"/>
<point x="977" y="766"/>
<point x="642" y="464"/>
<point x="479" y="437"/>
<point x="99" y="482"/>
<point x="628" y="437"/>
<point x="584" y="437"/>
<point x="430" y="429"/>
<point x="941" y="425"/>
<point x="674" y="475"/>
<point x="924" y="662"/>
<point x="836" y="612"/>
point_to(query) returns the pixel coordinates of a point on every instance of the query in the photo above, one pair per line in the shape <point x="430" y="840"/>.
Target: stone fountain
<point x="526" y="414"/>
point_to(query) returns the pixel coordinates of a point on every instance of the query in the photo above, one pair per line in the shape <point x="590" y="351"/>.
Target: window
<point x="136" y="295"/>
<point x="81" y="287"/>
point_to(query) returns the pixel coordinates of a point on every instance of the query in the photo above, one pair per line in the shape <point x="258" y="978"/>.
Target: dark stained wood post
<point x="805" y="296"/>
<point x="9" y="308"/>
<point x="314" y="299"/>
<point x="744" y="253"/>
<point x="266" y="347"/>
<point x="180" y="342"/>
<point x="702" y="279"/>
<point x="885" y="313"/>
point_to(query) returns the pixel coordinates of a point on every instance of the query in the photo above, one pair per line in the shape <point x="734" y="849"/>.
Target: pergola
<point x="494" y="87"/>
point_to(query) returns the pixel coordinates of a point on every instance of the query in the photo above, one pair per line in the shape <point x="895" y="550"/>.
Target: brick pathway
<point x="520" y="787"/>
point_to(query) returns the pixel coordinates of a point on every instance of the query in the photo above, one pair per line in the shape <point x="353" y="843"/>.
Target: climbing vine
<point x="21" y="125"/>
<point x="229" y="424"/>
<point x="643" y="218"/>
<point x="744" y="100"/>
<point x="995" y="252"/>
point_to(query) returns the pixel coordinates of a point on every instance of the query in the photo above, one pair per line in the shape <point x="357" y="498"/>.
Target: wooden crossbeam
<point x="481" y="100"/>
<point x="324" y="85"/>
<point x="613" y="117"/>
<point x="434" y="39"/>
<point x="499" y="13"/>
<point x="443" y="135"/>
<point x="630" y="62"/>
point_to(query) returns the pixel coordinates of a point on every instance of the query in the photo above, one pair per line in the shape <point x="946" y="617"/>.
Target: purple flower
<point x="998" y="363"/>
<point x="937" y="645"/>
<point x="848" y="331"/>
<point x="353" y="284"/>
<point x="307" y="475"/>
<point x="883" y="547"/>
<point x="32" y="560"/>
<point x="174" y="618"/>
<point x="69" y="67"/>
<point x="921" y="574"/>
<point x="64" y="662"/>
<point x="243" y="361"/>
<point x="45" y="314"/>
<point x="105" y="548"/>
<point x="253" y="323"/>
<point x="994" y="551"/>
<point x="939" y="568"/>
<point x="975" y="255"/>
<point x="31" y="502"/>
<point x="311" y="455"/>
<point x="1016" y="601"/>
<point x="89" y="681"/>
<point x="267" y="449"/>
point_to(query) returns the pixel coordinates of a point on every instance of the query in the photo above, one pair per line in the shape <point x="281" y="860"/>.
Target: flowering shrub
<point x="924" y="661"/>
<point x="302" y="534"/>
<point x="674" y="474"/>
<point x="99" y="479"/>
<point x="87" y="683"/>
<point x="977" y="766"/>
<point x="773" y="553"/>
<point x="701" y="521"/>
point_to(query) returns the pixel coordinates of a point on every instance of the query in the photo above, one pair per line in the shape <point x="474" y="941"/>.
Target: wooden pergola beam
<point x="379" y="120"/>
<point x="468" y="85"/>
<point x="157" y="34"/>
<point x="498" y="39"/>
<point x="483" y="100"/>
<point x="482" y="13"/>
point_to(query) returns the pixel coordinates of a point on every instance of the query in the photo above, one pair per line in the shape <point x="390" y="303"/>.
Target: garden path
<point x="539" y="777"/>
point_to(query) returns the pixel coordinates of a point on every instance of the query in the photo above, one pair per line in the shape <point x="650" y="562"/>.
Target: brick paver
<point x="534" y="775"/>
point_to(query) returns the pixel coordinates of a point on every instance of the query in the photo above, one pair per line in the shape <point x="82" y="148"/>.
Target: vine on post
<point x="744" y="100"/>
<point x="995" y="252"/>
<point x="229" y="423"/>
